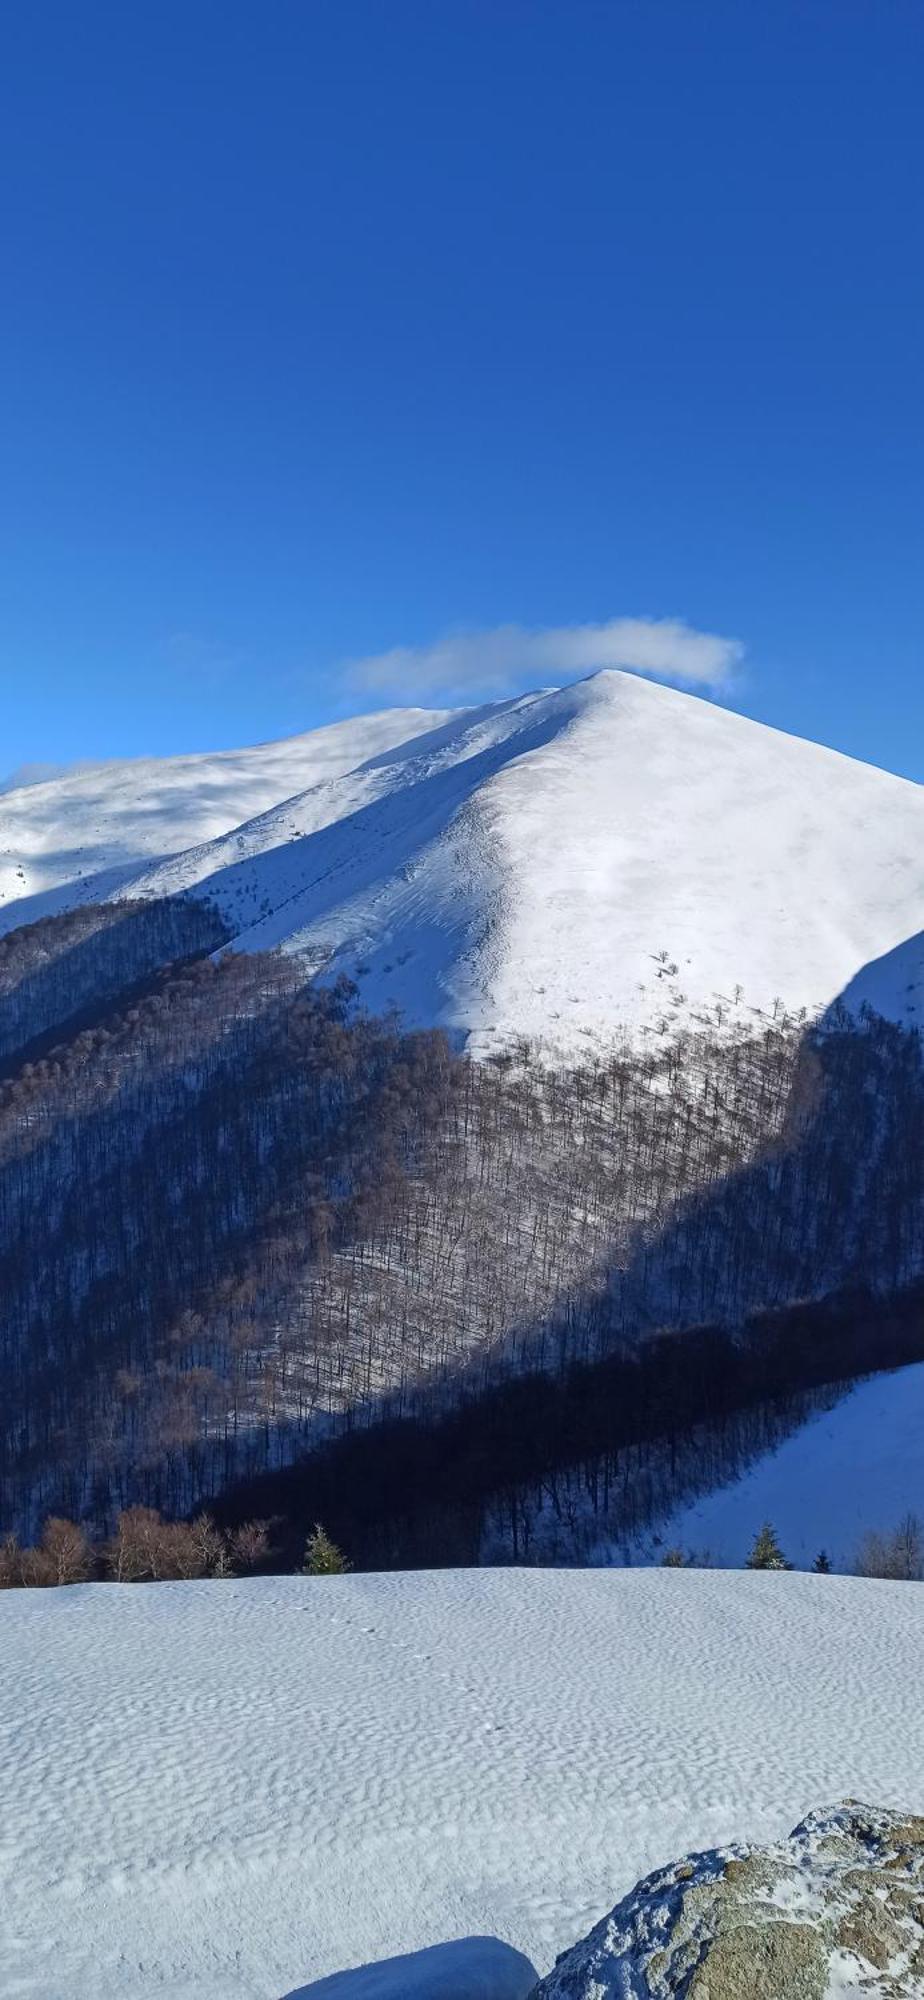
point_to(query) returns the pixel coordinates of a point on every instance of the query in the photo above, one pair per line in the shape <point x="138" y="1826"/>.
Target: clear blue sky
<point x="330" y="326"/>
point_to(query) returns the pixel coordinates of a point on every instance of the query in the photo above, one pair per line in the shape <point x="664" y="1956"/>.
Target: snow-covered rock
<point x="836" y="1909"/>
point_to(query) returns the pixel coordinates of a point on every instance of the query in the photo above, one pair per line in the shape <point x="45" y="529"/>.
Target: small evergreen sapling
<point x="322" y="1556"/>
<point x="766" y="1552"/>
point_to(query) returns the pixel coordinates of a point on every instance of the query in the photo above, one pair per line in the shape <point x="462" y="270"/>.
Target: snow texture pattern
<point x="228" y="1791"/>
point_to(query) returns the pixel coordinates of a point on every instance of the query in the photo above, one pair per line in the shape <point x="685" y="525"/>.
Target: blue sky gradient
<point x="331" y="327"/>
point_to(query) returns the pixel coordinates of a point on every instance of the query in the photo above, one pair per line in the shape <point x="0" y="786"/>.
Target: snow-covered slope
<point x="258" y="874"/>
<point x="614" y="853"/>
<point x="856" y="1467"/>
<point x="229" y="1791"/>
<point x="609" y="855"/>
<point x="74" y="838"/>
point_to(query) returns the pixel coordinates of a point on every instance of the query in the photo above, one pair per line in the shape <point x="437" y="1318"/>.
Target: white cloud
<point x="509" y="657"/>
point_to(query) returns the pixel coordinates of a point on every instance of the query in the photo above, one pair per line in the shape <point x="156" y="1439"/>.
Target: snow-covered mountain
<point x="235" y="1790"/>
<point x="611" y="854"/>
<point x="75" y="838"/>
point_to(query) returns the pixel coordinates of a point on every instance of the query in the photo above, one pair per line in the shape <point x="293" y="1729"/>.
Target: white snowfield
<point x="854" y="1468"/>
<point x="235" y="1791"/>
<point x="75" y="838"/>
<point x="611" y="855"/>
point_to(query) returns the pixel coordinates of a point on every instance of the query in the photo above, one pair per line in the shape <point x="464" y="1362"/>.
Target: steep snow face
<point x="614" y="854"/>
<point x="229" y="1791"/>
<point x="310" y="852"/>
<point x="75" y="838"/>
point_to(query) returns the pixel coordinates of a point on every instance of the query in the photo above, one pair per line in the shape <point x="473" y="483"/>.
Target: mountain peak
<point x="613" y="855"/>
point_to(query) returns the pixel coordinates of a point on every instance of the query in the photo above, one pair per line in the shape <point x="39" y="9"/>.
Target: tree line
<point x="57" y="970"/>
<point x="897" y="1556"/>
<point x="541" y="1467"/>
<point x="144" y="1548"/>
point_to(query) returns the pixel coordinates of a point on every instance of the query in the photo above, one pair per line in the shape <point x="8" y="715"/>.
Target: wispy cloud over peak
<point x="508" y="657"/>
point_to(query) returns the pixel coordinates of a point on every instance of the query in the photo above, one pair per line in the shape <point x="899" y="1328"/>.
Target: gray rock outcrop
<point x="836" y="1908"/>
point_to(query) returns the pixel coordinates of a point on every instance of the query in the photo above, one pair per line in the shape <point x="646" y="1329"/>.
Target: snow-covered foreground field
<point x="856" y="1467"/>
<point x="239" y="1789"/>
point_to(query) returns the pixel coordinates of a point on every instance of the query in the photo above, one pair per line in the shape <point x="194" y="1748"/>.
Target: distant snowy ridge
<point x="74" y="838"/>
<point x="609" y="856"/>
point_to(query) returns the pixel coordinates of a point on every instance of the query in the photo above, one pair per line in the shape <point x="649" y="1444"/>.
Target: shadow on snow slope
<point x="473" y="1968"/>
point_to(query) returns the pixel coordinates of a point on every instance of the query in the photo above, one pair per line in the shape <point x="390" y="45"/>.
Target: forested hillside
<point x="59" y="969"/>
<point x="237" y="1215"/>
